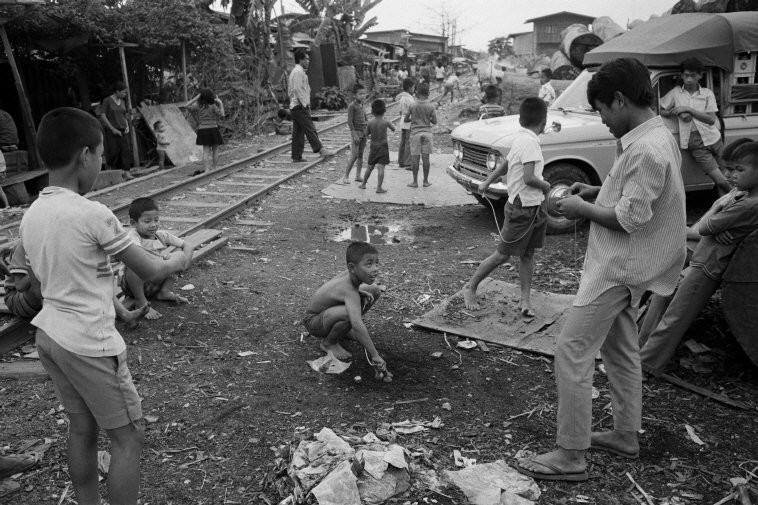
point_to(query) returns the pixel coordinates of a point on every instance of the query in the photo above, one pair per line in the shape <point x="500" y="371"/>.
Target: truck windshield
<point x="574" y="98"/>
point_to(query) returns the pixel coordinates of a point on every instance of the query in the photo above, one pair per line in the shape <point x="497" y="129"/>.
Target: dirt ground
<point x="217" y="417"/>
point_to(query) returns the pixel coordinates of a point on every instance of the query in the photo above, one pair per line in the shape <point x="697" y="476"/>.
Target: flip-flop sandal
<point x="612" y="450"/>
<point x="557" y="475"/>
<point x="529" y="314"/>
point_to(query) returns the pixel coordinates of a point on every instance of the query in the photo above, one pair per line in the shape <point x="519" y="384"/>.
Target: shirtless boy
<point x="336" y="309"/>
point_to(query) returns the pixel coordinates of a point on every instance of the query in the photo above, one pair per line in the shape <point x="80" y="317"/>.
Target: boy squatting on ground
<point x="490" y="107"/>
<point x="525" y="220"/>
<point x="23" y="295"/>
<point x="422" y="116"/>
<point x="68" y="240"/>
<point x="145" y="217"/>
<point x="336" y="309"/>
<point x="693" y="108"/>
<point x="356" y="121"/>
<point x="731" y="218"/>
<point x="379" y="152"/>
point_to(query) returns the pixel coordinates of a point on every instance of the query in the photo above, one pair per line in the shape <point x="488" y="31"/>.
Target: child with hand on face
<point x="162" y="142"/>
<point x="356" y="121"/>
<point x="379" y="153"/>
<point x="336" y="309"/>
<point x="145" y="217"/>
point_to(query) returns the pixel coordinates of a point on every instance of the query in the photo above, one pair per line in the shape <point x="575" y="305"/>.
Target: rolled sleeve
<point x="642" y="186"/>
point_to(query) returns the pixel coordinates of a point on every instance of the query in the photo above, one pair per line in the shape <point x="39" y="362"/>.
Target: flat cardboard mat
<point x="182" y="149"/>
<point x="443" y="192"/>
<point x="499" y="321"/>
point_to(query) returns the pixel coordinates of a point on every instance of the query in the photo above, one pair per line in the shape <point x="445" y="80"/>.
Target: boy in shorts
<point x="379" y="152"/>
<point x="162" y="142"/>
<point x="68" y="240"/>
<point x="356" y="121"/>
<point x="693" y="109"/>
<point x="145" y="218"/>
<point x="422" y="116"/>
<point x="525" y="220"/>
<point x="336" y="309"/>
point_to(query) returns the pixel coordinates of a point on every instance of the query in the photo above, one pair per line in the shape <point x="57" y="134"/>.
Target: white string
<point x="500" y="230"/>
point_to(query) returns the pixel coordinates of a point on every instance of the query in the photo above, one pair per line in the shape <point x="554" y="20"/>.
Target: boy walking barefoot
<point x="525" y="221"/>
<point x="336" y="309"/>
<point x="405" y="99"/>
<point x="68" y="240"/>
<point x="422" y="116"/>
<point x="379" y="153"/>
<point x="145" y="218"/>
<point x="356" y="121"/>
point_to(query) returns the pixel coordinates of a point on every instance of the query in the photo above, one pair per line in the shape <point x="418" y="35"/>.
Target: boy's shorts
<point x="421" y="143"/>
<point x="21" y="304"/>
<point x="314" y="323"/>
<point x="101" y="386"/>
<point x="150" y="288"/>
<point x="524" y="228"/>
<point x="705" y="156"/>
<point x="379" y="155"/>
<point x="357" y="148"/>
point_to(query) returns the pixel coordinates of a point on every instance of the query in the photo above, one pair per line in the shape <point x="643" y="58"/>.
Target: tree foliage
<point x="499" y="47"/>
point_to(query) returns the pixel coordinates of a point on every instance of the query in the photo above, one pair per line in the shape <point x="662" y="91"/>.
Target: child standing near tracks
<point x="356" y="121"/>
<point x="379" y="153"/>
<point x="209" y="109"/>
<point x="525" y="218"/>
<point x="336" y="309"/>
<point x="162" y="142"/>
<point x="422" y="116"/>
<point x="405" y="100"/>
<point x="145" y="217"/>
<point x="68" y="240"/>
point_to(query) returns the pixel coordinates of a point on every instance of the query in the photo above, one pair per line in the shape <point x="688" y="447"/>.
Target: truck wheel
<point x="563" y="175"/>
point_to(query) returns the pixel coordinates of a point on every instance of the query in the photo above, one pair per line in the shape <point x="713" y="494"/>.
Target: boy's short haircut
<point x="692" y="65"/>
<point x="63" y="133"/>
<point x="378" y="107"/>
<point x="300" y="55"/>
<point x="155" y="125"/>
<point x="119" y="86"/>
<point x="490" y="91"/>
<point x="732" y="150"/>
<point x="547" y="73"/>
<point x="357" y="250"/>
<point x="748" y="152"/>
<point x="628" y="76"/>
<point x="141" y="205"/>
<point x="422" y="89"/>
<point x="408" y="84"/>
<point x="358" y="87"/>
<point x="457" y="74"/>
<point x="532" y="112"/>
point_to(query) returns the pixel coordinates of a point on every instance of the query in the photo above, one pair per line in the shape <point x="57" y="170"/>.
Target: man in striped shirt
<point x="300" y="110"/>
<point x="636" y="243"/>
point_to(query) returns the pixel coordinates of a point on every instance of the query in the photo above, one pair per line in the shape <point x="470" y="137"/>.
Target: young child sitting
<point x="525" y="217"/>
<point x="68" y="240"/>
<point x="547" y="92"/>
<point x="356" y="121"/>
<point x="145" y="218"/>
<point x="422" y="116"/>
<point x="693" y="109"/>
<point x="729" y="220"/>
<point x="281" y="127"/>
<point x="379" y="152"/>
<point x="162" y="142"/>
<point x="491" y="107"/>
<point x="336" y="309"/>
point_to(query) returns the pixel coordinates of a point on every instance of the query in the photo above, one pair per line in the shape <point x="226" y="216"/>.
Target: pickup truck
<point x="577" y="147"/>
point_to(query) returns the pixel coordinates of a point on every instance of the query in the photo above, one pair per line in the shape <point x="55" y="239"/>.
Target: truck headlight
<point x="493" y="159"/>
<point x="458" y="151"/>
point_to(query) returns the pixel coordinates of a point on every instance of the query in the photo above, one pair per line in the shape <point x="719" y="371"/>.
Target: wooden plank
<point x="28" y="369"/>
<point x="704" y="392"/>
<point x="248" y="222"/>
<point x="252" y="176"/>
<point x="209" y="248"/>
<point x="179" y="203"/>
<point x="218" y="193"/>
<point x="245" y="184"/>
<point x="181" y="219"/>
<point x="15" y="333"/>
<point x="23" y="177"/>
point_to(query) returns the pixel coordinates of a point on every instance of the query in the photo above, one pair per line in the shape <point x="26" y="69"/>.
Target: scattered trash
<point x="693" y="435"/>
<point x="358" y="379"/>
<point x="409" y="427"/>
<point x="151" y="419"/>
<point x="408" y="325"/>
<point x="696" y="347"/>
<point x="467" y="344"/>
<point x="423" y="299"/>
<point x="329" y="364"/>
<point x="103" y="461"/>
<point x="187" y="287"/>
<point x="446" y="406"/>
<point x="244" y="354"/>
<point x="595" y="393"/>
<point x="494" y="483"/>
<point x="461" y="461"/>
<point x="436" y="354"/>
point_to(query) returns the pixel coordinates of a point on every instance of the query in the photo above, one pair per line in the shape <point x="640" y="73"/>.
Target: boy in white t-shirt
<point x="68" y="241"/>
<point x="525" y="217"/>
<point x="547" y="92"/>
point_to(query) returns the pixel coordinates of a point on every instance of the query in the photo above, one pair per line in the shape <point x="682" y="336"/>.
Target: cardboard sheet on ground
<point x="499" y="321"/>
<point x="495" y="483"/>
<point x="182" y="149"/>
<point x="443" y="192"/>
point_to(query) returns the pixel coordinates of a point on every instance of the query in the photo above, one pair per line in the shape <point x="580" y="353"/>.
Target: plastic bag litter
<point x="339" y="487"/>
<point x="495" y="483"/>
<point x="329" y="364"/>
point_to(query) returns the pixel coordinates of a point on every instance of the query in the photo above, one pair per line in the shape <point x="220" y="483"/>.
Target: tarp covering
<point x="666" y="41"/>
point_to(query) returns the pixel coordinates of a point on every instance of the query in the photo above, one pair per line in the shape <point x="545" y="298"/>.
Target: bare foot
<point x="413" y="185"/>
<point x="362" y="186"/>
<point x="427" y="184"/>
<point x="344" y="181"/>
<point x="170" y="296"/>
<point x="358" y="179"/>
<point x="337" y="351"/>
<point x="469" y="298"/>
<point x="128" y="303"/>
<point x="153" y="314"/>
<point x="381" y="190"/>
<point x="132" y="317"/>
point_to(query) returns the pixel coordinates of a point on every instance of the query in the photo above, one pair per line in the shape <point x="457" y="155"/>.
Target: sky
<point x="479" y="21"/>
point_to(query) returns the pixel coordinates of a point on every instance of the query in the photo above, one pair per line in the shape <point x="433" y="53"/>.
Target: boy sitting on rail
<point x="525" y="218"/>
<point x="68" y="241"/>
<point x="145" y="218"/>
<point x="336" y="309"/>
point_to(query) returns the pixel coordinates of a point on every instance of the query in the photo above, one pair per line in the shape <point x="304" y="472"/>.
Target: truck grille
<point x="475" y="155"/>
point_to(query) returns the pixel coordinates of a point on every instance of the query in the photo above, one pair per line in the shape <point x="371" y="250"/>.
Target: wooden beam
<point x="15" y="333"/>
<point x="184" y="72"/>
<point x="26" y="111"/>
<point x="132" y="133"/>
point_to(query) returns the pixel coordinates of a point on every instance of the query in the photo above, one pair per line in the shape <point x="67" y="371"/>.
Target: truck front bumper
<point x="496" y="190"/>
